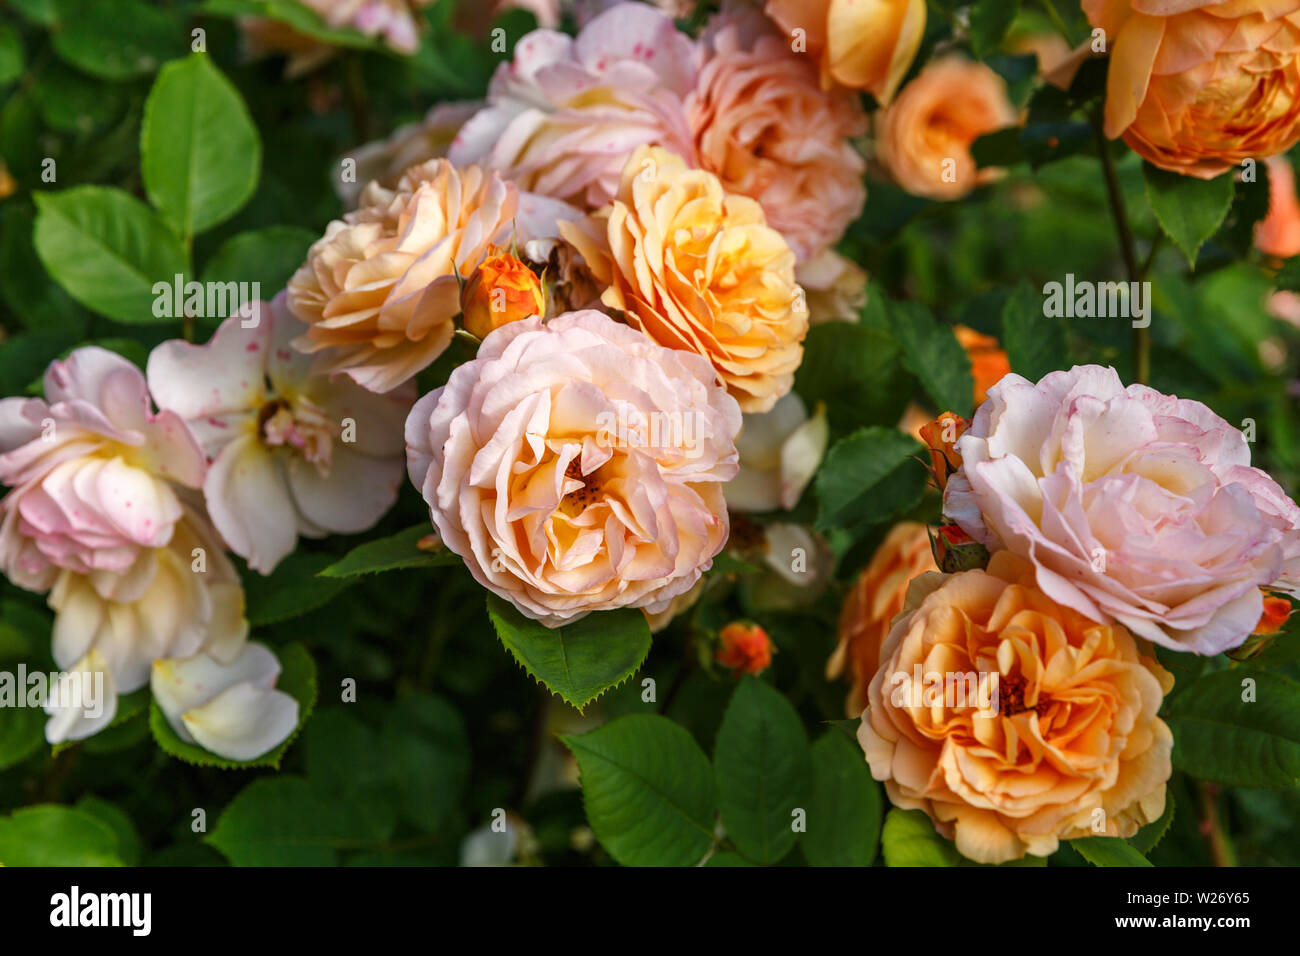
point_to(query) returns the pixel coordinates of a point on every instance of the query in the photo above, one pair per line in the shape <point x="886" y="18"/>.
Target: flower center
<point x="1011" y="697"/>
<point x="300" y="426"/>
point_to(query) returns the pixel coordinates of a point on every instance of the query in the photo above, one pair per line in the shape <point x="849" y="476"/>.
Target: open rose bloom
<point x="577" y="466"/>
<point x="1132" y="506"/>
<point x="1051" y="731"/>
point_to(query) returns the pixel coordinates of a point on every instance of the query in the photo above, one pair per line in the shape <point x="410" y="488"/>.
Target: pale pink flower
<point x="565" y="113"/>
<point x="577" y="466"/>
<point x="89" y="470"/>
<point x="292" y="453"/>
<point x="1133" y="506"/>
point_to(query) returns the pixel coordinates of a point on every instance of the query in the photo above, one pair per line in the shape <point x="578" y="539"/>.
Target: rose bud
<point x="955" y="550"/>
<point x="940" y="436"/>
<point x="1276" y="611"/>
<point x="746" y="649"/>
<point x="501" y="290"/>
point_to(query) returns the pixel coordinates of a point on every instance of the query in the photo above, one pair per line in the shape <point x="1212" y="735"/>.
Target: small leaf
<point x="846" y="809"/>
<point x="1035" y="342"/>
<point x="292" y="589"/>
<point x="200" y="153"/>
<point x="869" y="477"/>
<point x="390" y="554"/>
<point x="107" y="249"/>
<point x="50" y="835"/>
<point x="1189" y="210"/>
<point x="932" y="353"/>
<point x="1109" y="851"/>
<point x="764" y="771"/>
<point x="579" y="661"/>
<point x="297" y="679"/>
<point x="648" y="790"/>
<point x="908" y="839"/>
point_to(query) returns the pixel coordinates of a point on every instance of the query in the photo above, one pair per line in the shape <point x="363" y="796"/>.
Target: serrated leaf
<point x="286" y="821"/>
<point x="868" y="477"/>
<point x="908" y="839"/>
<point x="932" y="353"/>
<point x="118" y="40"/>
<point x="50" y="835"/>
<point x="297" y="679"/>
<point x="391" y="554"/>
<point x="1243" y="743"/>
<point x="294" y="588"/>
<point x="1147" y="838"/>
<point x="1035" y="342"/>
<point x="106" y="249"/>
<point x="579" y="661"/>
<point x="855" y="371"/>
<point x="116" y="819"/>
<point x="200" y="153"/>
<point x="1109" y="851"/>
<point x="763" y="769"/>
<point x="1189" y="210"/>
<point x="648" y="790"/>
<point x="845" y="810"/>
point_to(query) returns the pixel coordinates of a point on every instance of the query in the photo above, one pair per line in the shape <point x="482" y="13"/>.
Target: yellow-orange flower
<point x="1198" y="86"/>
<point x="988" y="362"/>
<point x="746" y="648"/>
<point x="1034" y="724"/>
<point x="1278" y="234"/>
<point x="501" y="290"/>
<point x="923" y="140"/>
<point x="379" y="291"/>
<point x="862" y="44"/>
<point x="696" y="268"/>
<point x="940" y="436"/>
<point x="872" y="603"/>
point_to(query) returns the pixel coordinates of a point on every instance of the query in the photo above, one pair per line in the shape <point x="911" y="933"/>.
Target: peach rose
<point x="836" y="288"/>
<point x="874" y="600"/>
<point x="1013" y="722"/>
<point x="862" y="44"/>
<point x="380" y="290"/>
<point x="764" y="126"/>
<point x="1197" y="86"/>
<point x="577" y="466"/>
<point x="923" y="140"/>
<point x="564" y="113"/>
<point x="699" y="269"/>
<point x="1278" y="234"/>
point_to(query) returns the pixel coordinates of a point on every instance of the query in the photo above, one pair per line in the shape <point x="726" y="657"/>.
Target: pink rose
<point x="577" y="466"/>
<point x="1133" y="506"/>
<point x="292" y="453"/>
<point x="89" y="470"/>
<point x="565" y="113"/>
<point x="764" y="125"/>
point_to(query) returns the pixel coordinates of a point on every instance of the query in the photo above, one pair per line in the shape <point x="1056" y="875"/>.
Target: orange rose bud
<point x="955" y="550"/>
<point x="940" y="436"/>
<point x="746" y="648"/>
<point x="988" y="362"/>
<point x="500" y="291"/>
<point x="1276" y="612"/>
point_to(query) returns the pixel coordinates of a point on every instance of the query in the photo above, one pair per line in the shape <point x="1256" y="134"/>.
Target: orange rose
<point x="872" y="604"/>
<point x="501" y="290"/>
<point x="863" y="44"/>
<point x="940" y="436"/>
<point x="1278" y="234"/>
<point x="1276" y="612"/>
<point x="746" y="648"/>
<point x="699" y="269"/>
<point x="988" y="362"/>
<point x="924" y="138"/>
<point x="1013" y="722"/>
<point x="1197" y="86"/>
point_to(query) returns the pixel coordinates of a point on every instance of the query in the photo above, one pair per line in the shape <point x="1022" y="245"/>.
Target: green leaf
<point x="932" y="353"/>
<point x="106" y="249"/>
<point x="764" y="771"/>
<point x="648" y="790"/>
<point x="34" y="298"/>
<point x="344" y="758"/>
<point x="1242" y="743"/>
<point x="427" y="750"/>
<point x="267" y="256"/>
<point x="1109" y="851"/>
<point x="50" y="835"/>
<point x="1147" y="838"/>
<point x="989" y="22"/>
<point x="869" y="477"/>
<point x="11" y="54"/>
<point x="302" y="18"/>
<point x="118" y="40"/>
<point x="297" y="679"/>
<point x="1035" y="342"/>
<point x="856" y="371"/>
<point x="1189" y="210"/>
<point x="116" y="819"/>
<point x="390" y="554"/>
<point x="294" y="588"/>
<point x="579" y="661"/>
<point x="908" y="839"/>
<point x="1288" y="277"/>
<point x="200" y="153"/>
<point x="287" y="821"/>
<point x="846" y="808"/>
<point x="22" y="734"/>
